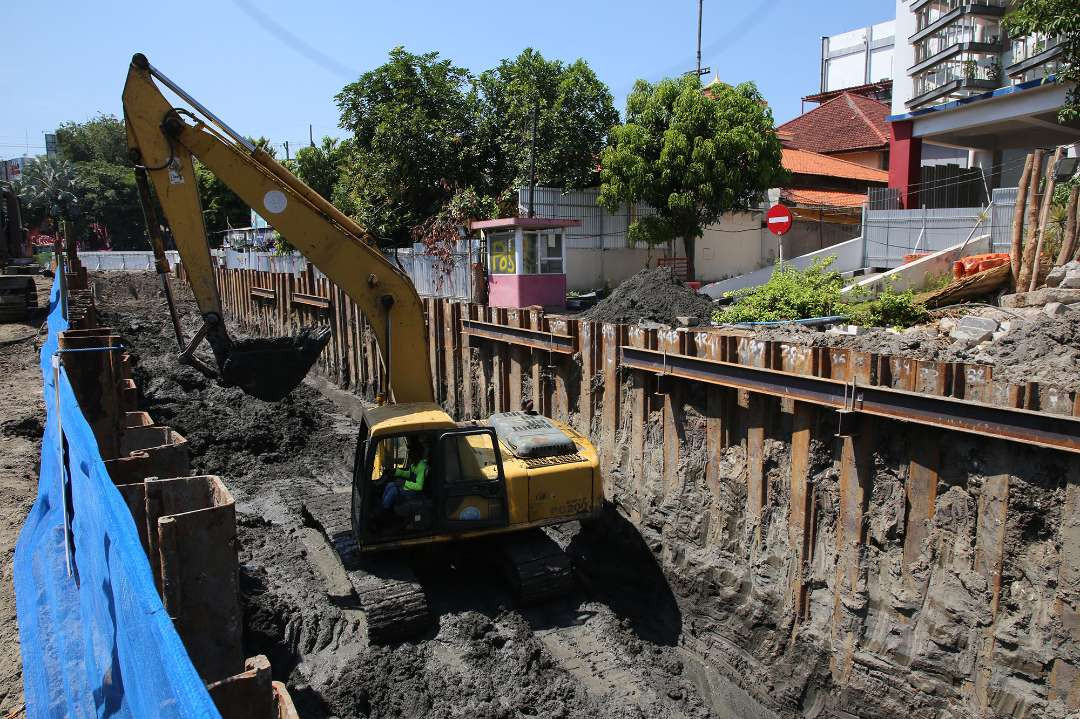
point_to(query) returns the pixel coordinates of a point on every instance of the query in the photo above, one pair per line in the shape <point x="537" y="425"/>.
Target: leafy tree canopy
<point x="413" y="125"/>
<point x="1059" y="18"/>
<point x="102" y="138"/>
<point x="50" y="188"/>
<point x="319" y="166"/>
<point x="574" y="112"/>
<point x="690" y="154"/>
<point x="424" y="131"/>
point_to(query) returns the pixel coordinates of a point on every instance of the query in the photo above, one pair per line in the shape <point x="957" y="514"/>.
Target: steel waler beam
<point x="1038" y="428"/>
<point x="537" y="339"/>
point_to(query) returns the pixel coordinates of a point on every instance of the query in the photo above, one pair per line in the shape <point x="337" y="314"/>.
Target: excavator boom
<point x="162" y="141"/>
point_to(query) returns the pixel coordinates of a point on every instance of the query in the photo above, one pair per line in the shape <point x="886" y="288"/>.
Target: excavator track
<point x="537" y="568"/>
<point x="392" y="598"/>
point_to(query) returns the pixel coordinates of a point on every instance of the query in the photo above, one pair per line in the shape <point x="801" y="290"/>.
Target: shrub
<point x="793" y="294"/>
<point x="790" y="294"/>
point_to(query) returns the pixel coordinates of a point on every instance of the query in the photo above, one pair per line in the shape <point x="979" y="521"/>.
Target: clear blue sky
<point x="67" y="60"/>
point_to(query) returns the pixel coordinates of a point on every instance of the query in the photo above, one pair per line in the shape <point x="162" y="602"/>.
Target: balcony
<point x="1034" y="57"/>
<point x="928" y="12"/>
<point x="967" y="73"/>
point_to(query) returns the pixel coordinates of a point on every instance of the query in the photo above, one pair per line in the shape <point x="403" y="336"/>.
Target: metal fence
<point x="430" y="275"/>
<point x="599" y="228"/>
<point x="888" y="235"/>
<point x="110" y="260"/>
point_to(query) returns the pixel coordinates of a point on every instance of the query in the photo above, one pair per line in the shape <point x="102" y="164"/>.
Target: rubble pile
<point x="653" y="295"/>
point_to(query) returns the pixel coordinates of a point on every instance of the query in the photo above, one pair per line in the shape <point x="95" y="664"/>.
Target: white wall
<point x="589" y="269"/>
<point x="729" y="248"/>
<point x="903" y="57"/>
<point x="850" y="70"/>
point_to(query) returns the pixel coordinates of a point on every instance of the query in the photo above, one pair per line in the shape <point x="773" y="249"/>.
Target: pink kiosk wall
<point x="527" y="290"/>
<point x="514" y="290"/>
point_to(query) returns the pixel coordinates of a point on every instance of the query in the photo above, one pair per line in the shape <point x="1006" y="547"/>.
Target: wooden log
<point x="966" y="288"/>
<point x="1044" y="217"/>
<point x="1069" y="244"/>
<point x="1018" y="219"/>
<point x="1023" y="280"/>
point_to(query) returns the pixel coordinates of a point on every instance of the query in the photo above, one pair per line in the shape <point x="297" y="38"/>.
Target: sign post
<point x="779" y="220"/>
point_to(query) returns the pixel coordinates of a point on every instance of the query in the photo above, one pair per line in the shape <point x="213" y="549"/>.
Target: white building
<point x="858" y="57"/>
<point x="962" y="86"/>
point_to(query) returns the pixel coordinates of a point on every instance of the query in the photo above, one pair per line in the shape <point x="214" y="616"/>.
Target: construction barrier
<point x="95" y="637"/>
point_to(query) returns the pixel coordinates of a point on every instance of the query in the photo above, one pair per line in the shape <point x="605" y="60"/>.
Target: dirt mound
<point x="654" y="295"/>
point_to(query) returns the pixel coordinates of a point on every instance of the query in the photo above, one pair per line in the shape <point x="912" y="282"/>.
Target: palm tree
<point x="50" y="186"/>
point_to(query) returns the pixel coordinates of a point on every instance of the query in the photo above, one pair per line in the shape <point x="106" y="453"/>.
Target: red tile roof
<point x="802" y="162"/>
<point x="846" y="123"/>
<point x="824" y="198"/>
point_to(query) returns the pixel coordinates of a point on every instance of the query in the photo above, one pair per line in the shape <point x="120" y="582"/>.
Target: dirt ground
<point x="609" y="650"/>
<point x="21" y="418"/>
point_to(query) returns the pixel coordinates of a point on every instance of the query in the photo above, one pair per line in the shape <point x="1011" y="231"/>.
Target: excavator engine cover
<point x="531" y="435"/>
<point x="270" y="368"/>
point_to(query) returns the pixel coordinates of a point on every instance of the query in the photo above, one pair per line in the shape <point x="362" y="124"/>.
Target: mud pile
<point x="609" y="651"/>
<point x="654" y="295"/>
<point x="1035" y="348"/>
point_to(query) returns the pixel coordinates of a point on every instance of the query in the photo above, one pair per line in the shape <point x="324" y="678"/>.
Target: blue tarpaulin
<point x="95" y="638"/>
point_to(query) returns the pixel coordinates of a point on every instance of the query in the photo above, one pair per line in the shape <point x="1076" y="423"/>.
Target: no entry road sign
<point x="779" y="219"/>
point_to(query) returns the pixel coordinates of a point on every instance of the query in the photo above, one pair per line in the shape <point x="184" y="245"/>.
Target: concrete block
<point x="685" y="321"/>
<point x="1040" y="297"/>
<point x="1071" y="280"/>
<point x="1055" y="309"/>
<point x="851" y="330"/>
<point x="977" y="322"/>
<point x="973" y="329"/>
<point x="1057" y="274"/>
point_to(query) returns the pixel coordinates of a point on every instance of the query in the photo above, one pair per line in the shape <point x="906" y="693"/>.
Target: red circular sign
<point x="779" y="219"/>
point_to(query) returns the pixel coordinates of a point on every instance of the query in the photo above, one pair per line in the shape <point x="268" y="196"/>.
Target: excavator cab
<point x="464" y="488"/>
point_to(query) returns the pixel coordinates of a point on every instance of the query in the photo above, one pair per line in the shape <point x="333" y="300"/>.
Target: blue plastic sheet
<point x="95" y="638"/>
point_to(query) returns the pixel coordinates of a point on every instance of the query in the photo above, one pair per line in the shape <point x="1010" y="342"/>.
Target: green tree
<point x="102" y="139"/>
<point x="319" y="166"/>
<point x="1060" y="18"/>
<point x="49" y="188"/>
<point x="574" y="113"/>
<point x="108" y="201"/>
<point x="691" y="155"/>
<point x="413" y="126"/>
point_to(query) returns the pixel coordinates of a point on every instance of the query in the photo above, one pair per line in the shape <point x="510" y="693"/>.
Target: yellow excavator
<point x="508" y="476"/>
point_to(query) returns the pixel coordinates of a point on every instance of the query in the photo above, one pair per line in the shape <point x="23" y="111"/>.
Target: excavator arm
<point x="162" y="141"/>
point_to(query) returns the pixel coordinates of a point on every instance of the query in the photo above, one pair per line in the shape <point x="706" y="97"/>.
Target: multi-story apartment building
<point x="961" y="83"/>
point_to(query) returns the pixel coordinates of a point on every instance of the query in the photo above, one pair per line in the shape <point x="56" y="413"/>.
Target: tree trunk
<point x="689" y="244"/>
<point x="1018" y="219"/>
<point x="1044" y="216"/>
<point x="1068" y="240"/>
<point x="1024" y="278"/>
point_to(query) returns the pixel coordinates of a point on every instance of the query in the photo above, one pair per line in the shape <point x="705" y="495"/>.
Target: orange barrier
<point x="978" y="263"/>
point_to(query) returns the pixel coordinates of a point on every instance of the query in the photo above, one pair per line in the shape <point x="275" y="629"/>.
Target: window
<point x="502" y="253"/>
<point x="551" y="253"/>
<point x="542" y="253"/>
<point x="469" y="458"/>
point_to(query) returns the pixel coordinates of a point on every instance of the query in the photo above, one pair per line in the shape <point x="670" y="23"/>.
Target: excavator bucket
<point x="268" y="369"/>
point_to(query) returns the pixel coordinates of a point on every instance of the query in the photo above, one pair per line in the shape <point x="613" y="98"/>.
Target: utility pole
<point x="532" y="165"/>
<point x="700" y="9"/>
<point x="286" y="143"/>
<point x="311" y="135"/>
<point x="699" y="71"/>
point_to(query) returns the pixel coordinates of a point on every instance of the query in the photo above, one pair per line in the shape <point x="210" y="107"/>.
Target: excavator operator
<point x="408" y="481"/>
